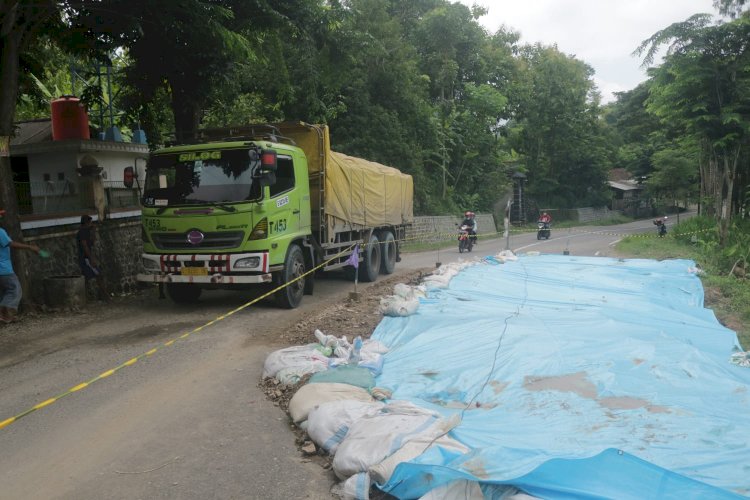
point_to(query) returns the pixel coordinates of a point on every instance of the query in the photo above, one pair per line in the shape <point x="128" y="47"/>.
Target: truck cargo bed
<point x="349" y="193"/>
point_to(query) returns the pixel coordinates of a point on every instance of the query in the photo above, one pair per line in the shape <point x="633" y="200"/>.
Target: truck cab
<point x="227" y="214"/>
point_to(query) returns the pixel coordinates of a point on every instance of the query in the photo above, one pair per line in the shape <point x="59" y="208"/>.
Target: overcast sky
<point x="602" y="33"/>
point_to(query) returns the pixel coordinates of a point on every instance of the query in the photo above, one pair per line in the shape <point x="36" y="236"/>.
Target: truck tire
<point x="183" y="293"/>
<point x="388" y="252"/>
<point x="290" y="296"/>
<point x="370" y="265"/>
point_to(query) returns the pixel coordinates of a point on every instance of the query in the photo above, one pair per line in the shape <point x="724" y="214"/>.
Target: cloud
<point x="602" y="33"/>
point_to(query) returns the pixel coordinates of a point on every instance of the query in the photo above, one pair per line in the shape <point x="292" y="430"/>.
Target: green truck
<point x="265" y="204"/>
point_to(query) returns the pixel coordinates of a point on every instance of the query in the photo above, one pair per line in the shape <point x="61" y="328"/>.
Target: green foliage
<point x="416" y="84"/>
<point x="562" y="136"/>
<point x="675" y="174"/>
<point x="703" y="88"/>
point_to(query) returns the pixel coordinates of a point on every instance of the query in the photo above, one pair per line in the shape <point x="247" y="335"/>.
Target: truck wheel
<point x="290" y="296"/>
<point x="183" y="293"/>
<point x="388" y="251"/>
<point x="370" y="266"/>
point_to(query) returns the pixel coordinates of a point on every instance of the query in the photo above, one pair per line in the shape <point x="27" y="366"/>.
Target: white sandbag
<point x="302" y="359"/>
<point x="328" y="423"/>
<point x="409" y="292"/>
<point x="506" y="255"/>
<point x="396" y="306"/>
<point x="373" y="438"/>
<point x="356" y="487"/>
<point x="311" y="395"/>
<point x="382" y="472"/>
<point x="438" y="281"/>
<point x="326" y="340"/>
<point x="293" y="374"/>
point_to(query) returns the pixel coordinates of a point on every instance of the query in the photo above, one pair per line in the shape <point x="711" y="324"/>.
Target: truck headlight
<point x="260" y="231"/>
<point x="247" y="263"/>
<point x="150" y="265"/>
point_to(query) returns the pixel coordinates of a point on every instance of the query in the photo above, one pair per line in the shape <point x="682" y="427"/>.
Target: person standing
<point x="10" y="287"/>
<point x="85" y="239"/>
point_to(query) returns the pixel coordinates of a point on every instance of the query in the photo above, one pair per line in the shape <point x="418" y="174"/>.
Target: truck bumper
<point x="214" y="279"/>
<point x="209" y="269"/>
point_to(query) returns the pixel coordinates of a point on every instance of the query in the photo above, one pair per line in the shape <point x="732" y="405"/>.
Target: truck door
<point x="286" y="218"/>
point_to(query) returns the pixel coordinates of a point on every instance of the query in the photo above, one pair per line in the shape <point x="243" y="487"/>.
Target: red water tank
<point x="69" y="119"/>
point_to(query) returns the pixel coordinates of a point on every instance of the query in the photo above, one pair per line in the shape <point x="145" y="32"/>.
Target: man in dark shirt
<point x="85" y="238"/>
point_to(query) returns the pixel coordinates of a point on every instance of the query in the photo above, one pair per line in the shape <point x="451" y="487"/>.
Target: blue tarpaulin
<point x="575" y="377"/>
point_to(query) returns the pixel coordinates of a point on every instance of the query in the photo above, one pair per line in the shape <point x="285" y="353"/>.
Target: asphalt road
<point x="188" y="421"/>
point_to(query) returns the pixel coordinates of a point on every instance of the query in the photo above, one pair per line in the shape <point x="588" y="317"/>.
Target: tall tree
<point x="561" y="133"/>
<point x="704" y="87"/>
<point x="20" y="23"/>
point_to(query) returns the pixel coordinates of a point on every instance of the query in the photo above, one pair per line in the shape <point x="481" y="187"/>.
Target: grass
<point x="728" y="296"/>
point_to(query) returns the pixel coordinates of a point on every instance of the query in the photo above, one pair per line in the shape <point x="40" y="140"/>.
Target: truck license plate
<point x="194" y="271"/>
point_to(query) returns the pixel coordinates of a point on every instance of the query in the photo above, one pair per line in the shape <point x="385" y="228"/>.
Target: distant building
<point x="627" y="194"/>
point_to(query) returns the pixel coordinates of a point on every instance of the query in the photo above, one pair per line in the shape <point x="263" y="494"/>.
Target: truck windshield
<point x="201" y="177"/>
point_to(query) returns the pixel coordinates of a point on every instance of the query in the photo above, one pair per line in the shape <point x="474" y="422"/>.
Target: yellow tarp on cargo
<point x="357" y="192"/>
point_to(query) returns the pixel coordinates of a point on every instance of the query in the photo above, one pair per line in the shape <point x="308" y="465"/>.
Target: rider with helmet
<point x="469" y="220"/>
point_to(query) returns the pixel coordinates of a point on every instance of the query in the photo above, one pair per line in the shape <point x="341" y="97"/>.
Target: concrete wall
<point x="592" y="214"/>
<point x="118" y="247"/>
<point x="440" y="227"/>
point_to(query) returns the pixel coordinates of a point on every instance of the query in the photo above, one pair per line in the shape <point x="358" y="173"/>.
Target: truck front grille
<point x="178" y="241"/>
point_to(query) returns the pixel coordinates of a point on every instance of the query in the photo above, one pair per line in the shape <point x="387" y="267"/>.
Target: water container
<point x="69" y="119"/>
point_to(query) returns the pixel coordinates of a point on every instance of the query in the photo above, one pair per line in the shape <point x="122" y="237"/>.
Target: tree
<point x="20" y="24"/>
<point x="703" y="86"/>
<point x="675" y="175"/>
<point x="561" y="133"/>
<point x="732" y="8"/>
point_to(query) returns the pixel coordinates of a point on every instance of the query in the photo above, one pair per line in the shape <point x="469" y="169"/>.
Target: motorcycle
<point x="543" y="230"/>
<point x="464" y="239"/>
<point x="661" y="227"/>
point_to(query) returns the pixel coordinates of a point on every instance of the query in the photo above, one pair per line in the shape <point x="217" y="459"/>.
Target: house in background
<point x="627" y="194"/>
<point x="47" y="173"/>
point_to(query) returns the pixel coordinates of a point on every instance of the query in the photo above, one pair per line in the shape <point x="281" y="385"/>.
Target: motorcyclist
<point x="545" y="219"/>
<point x="661" y="226"/>
<point x="469" y="220"/>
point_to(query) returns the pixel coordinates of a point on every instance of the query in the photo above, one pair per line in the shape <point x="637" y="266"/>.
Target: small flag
<point x="353" y="259"/>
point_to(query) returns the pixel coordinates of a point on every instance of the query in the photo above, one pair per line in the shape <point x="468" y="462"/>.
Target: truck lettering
<point x="200" y="155"/>
<point x="153" y="224"/>
<point x="277" y="227"/>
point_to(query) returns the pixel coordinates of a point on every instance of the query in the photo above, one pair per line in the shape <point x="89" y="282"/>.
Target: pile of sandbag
<point x="290" y="364"/>
<point x="367" y="438"/>
<point x="404" y="301"/>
